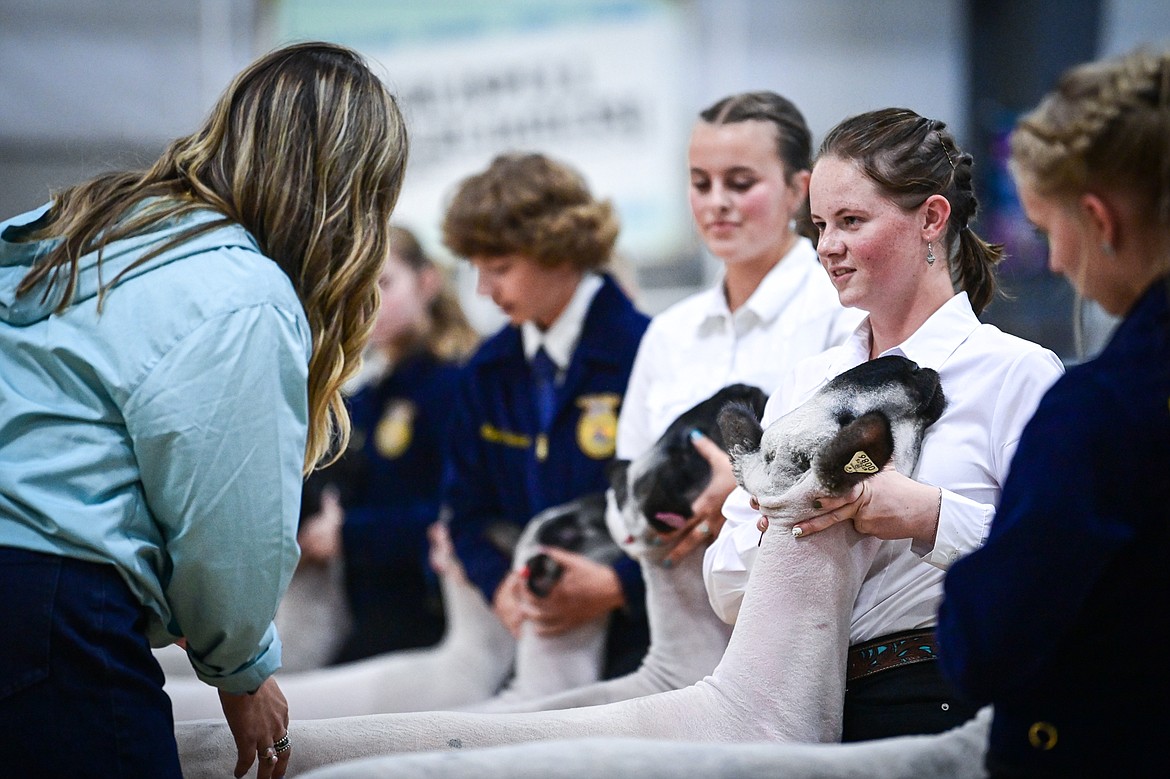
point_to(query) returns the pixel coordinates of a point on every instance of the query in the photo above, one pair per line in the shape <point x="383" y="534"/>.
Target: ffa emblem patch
<point x="597" y="427"/>
<point x="395" y="430"/>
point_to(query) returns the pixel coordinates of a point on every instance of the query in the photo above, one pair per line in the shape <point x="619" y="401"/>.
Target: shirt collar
<point x="561" y="338"/>
<point x="776" y="291"/>
<point x="930" y="345"/>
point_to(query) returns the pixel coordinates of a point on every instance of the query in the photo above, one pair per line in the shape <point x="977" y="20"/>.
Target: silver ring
<point x="704" y="529"/>
<point x="282" y="744"/>
<point x="269" y="754"/>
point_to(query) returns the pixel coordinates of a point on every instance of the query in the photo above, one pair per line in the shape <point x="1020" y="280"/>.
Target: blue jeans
<point x="80" y="691"/>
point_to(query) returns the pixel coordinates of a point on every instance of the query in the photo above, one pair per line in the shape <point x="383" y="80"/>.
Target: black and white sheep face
<point x="653" y="493"/>
<point x="846" y="432"/>
<point x="576" y="526"/>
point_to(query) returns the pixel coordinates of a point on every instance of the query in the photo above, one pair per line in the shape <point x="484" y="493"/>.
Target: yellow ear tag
<point x="861" y="464"/>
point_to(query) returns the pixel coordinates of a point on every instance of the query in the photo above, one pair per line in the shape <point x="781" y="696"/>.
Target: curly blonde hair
<point x="306" y="149"/>
<point x="531" y="205"/>
<point x="1107" y="125"/>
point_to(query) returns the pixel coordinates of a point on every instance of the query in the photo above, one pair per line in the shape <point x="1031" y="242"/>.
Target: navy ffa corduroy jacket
<point x="502" y="471"/>
<point x="1056" y="619"/>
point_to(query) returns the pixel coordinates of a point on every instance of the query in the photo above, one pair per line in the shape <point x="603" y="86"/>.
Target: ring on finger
<point x="282" y="744"/>
<point x="269" y="754"/>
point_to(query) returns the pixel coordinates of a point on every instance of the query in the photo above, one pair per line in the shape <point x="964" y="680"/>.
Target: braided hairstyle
<point x="911" y="158"/>
<point x="1106" y="125"/>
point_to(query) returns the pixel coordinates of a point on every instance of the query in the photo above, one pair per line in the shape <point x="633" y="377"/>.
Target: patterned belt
<point x="892" y="651"/>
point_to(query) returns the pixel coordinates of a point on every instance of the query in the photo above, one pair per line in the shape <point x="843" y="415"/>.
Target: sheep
<point x="782" y="676"/>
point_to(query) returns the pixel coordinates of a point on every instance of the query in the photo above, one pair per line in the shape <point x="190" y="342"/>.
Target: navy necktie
<point x="544" y="374"/>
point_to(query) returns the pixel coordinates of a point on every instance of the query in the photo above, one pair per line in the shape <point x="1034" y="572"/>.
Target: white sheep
<point x="955" y="754"/>
<point x="470" y="664"/>
<point x="782" y="676"/>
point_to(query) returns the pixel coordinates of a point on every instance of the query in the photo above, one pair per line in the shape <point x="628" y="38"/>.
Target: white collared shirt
<point x="561" y="338"/>
<point x="992" y="382"/>
<point x="698" y="346"/>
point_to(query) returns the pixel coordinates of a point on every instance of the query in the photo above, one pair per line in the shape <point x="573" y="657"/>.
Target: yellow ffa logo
<point x="395" y="430"/>
<point x="597" y="428"/>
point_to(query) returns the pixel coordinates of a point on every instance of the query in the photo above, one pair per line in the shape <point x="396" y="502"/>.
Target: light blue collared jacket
<point x="163" y="433"/>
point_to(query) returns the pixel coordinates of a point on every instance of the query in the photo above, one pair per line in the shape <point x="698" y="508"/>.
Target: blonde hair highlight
<point x="306" y="149"/>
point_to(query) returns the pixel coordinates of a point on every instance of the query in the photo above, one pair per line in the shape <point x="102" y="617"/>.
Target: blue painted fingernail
<point x="667" y="563"/>
<point x="695" y="434"/>
<point x="816" y="504"/>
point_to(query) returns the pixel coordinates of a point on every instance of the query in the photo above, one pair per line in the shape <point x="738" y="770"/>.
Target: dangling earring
<point x="1107" y="248"/>
<point x="930" y="258"/>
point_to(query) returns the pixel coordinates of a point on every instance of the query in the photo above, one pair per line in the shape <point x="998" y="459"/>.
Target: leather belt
<point x="892" y="651"/>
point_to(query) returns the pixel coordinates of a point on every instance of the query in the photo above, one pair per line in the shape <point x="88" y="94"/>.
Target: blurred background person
<point x="375" y="504"/>
<point x="535" y="420"/>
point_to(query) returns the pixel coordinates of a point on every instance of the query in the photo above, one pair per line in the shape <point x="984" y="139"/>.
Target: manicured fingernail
<point x="816" y="504"/>
<point x="695" y="434"/>
<point x="797" y="532"/>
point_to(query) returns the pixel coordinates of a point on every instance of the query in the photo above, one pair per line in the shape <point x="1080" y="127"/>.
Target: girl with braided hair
<point x="1055" y="619"/>
<point x="892" y="200"/>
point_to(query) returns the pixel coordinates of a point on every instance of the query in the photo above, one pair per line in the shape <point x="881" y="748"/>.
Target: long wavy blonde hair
<point x="306" y="149"/>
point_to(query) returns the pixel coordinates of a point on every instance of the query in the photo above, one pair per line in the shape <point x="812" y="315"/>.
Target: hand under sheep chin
<point x="888" y="505"/>
<point x="707" y="509"/>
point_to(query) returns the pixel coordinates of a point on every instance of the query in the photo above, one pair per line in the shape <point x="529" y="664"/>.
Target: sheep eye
<point x="803" y="462"/>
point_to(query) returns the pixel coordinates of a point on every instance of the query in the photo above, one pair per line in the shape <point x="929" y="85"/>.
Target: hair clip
<point x="946" y="151"/>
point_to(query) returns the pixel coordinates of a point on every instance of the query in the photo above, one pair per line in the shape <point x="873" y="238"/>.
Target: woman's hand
<point x="707" y="511"/>
<point x="585" y="591"/>
<point x="887" y="505"/>
<point x="259" y="724"/>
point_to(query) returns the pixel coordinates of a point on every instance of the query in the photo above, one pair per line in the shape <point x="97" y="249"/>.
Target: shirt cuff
<point x="962" y="528"/>
<point x="252" y="674"/>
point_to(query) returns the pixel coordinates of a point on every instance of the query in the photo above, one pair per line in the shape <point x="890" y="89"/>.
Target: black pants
<point x="909" y="700"/>
<point x="81" y="694"/>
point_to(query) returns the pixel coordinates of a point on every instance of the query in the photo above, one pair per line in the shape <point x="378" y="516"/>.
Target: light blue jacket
<point x="164" y="433"/>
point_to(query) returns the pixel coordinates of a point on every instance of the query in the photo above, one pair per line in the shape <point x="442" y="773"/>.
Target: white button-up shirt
<point x="698" y="346"/>
<point x="992" y="382"/>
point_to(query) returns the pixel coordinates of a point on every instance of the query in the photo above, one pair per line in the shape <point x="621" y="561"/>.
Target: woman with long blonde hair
<point x="173" y="342"/>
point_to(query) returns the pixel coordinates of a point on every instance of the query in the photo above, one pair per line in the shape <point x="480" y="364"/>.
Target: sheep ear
<point x="740" y="429"/>
<point x="859" y="450"/>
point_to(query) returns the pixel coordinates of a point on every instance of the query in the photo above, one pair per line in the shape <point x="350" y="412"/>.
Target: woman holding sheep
<point x="892" y="199"/>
